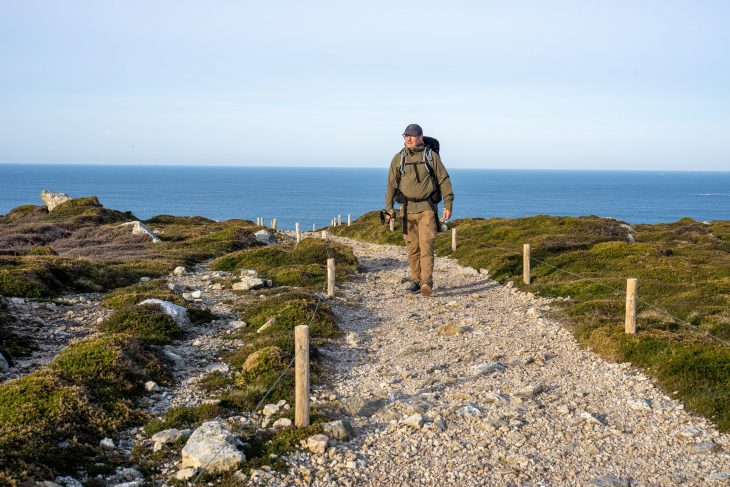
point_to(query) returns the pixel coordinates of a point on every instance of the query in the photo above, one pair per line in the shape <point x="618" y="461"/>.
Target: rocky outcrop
<point x="52" y="200"/>
<point x="212" y="446"/>
<point x="177" y="313"/>
<point x="138" y="228"/>
<point x="264" y="237"/>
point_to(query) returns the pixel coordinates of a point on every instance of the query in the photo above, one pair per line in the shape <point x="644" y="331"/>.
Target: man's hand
<point x="447" y="214"/>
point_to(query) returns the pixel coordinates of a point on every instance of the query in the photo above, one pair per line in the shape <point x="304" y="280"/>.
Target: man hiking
<point x="418" y="180"/>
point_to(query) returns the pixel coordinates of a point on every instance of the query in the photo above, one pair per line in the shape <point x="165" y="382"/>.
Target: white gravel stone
<point x="179" y="271"/>
<point x="282" y="423"/>
<point x="317" y="443"/>
<point x="151" y="386"/>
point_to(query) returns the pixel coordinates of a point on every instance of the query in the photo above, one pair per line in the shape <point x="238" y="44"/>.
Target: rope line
<point x="319" y="296"/>
<point x="614" y="289"/>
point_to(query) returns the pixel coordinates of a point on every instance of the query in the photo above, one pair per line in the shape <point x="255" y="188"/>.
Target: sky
<point x="584" y="84"/>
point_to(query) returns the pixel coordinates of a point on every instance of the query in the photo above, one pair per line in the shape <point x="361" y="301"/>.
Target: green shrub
<point x="147" y="323"/>
<point x="111" y="367"/>
<point x="185" y="416"/>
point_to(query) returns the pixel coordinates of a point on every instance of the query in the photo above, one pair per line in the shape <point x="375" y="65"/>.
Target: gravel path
<point x="474" y="387"/>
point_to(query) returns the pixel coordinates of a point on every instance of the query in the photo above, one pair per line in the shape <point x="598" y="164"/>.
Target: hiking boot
<point x="414" y="287"/>
<point x="426" y="290"/>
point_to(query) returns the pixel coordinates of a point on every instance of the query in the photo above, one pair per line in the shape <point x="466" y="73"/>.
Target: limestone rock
<point x="177" y="313"/>
<point x="212" y="445"/>
<point x="151" y="386"/>
<point x="138" y="228"/>
<point x="271" y="409"/>
<point x="197" y="294"/>
<point x="185" y="473"/>
<point x="317" y="443"/>
<point x="414" y="421"/>
<point x="266" y="325"/>
<point x="218" y="367"/>
<point x="179" y="271"/>
<point x="107" y="444"/>
<point x="282" y="423"/>
<point x="248" y="283"/>
<point x="339" y="430"/>
<point x="52" y="200"/>
<point x="264" y="237"/>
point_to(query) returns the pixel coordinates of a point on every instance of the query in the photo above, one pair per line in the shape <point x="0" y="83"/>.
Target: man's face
<point x="412" y="140"/>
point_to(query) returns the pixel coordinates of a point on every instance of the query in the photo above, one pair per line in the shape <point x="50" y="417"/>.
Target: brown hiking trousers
<point x="419" y="246"/>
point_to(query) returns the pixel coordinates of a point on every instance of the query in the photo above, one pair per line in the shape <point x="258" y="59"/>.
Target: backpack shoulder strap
<point x="428" y="160"/>
<point x="403" y="161"/>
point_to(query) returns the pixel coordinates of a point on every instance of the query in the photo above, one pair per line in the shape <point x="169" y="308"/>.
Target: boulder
<point x="317" y="443"/>
<point x="138" y="228"/>
<point x="264" y="237"/>
<point x="213" y="446"/>
<point x="52" y="200"/>
<point x="248" y="283"/>
<point x="177" y="313"/>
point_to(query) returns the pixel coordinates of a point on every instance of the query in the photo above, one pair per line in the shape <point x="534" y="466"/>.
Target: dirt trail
<point x="473" y="386"/>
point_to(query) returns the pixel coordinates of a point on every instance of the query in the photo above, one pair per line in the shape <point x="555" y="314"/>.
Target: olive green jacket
<point x="410" y="185"/>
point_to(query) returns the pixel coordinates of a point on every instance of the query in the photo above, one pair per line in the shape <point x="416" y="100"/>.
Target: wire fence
<point x="606" y="286"/>
<point x="271" y="388"/>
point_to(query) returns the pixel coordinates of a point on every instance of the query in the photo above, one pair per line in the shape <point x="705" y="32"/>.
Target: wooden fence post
<point x="391" y="224"/>
<point x="325" y="236"/>
<point x="273" y="224"/>
<point x="349" y="219"/>
<point x="630" y="324"/>
<point x="314" y="227"/>
<point x="526" y="263"/>
<point x="301" y="376"/>
<point x="339" y="220"/>
<point x="298" y="230"/>
<point x="331" y="278"/>
<point x="453" y="239"/>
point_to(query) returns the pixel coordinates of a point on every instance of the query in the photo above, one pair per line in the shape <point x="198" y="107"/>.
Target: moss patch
<point x="112" y="367"/>
<point x="146" y="322"/>
<point x="37" y="413"/>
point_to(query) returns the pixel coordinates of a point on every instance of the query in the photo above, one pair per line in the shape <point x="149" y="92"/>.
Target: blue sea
<point x="316" y="195"/>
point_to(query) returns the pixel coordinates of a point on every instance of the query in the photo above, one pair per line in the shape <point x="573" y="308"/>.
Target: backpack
<point x="431" y="145"/>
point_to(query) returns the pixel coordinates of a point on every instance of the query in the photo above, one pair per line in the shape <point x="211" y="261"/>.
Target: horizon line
<point x="126" y="164"/>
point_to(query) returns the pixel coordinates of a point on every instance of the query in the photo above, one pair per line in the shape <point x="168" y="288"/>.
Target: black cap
<point x="413" y="129"/>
